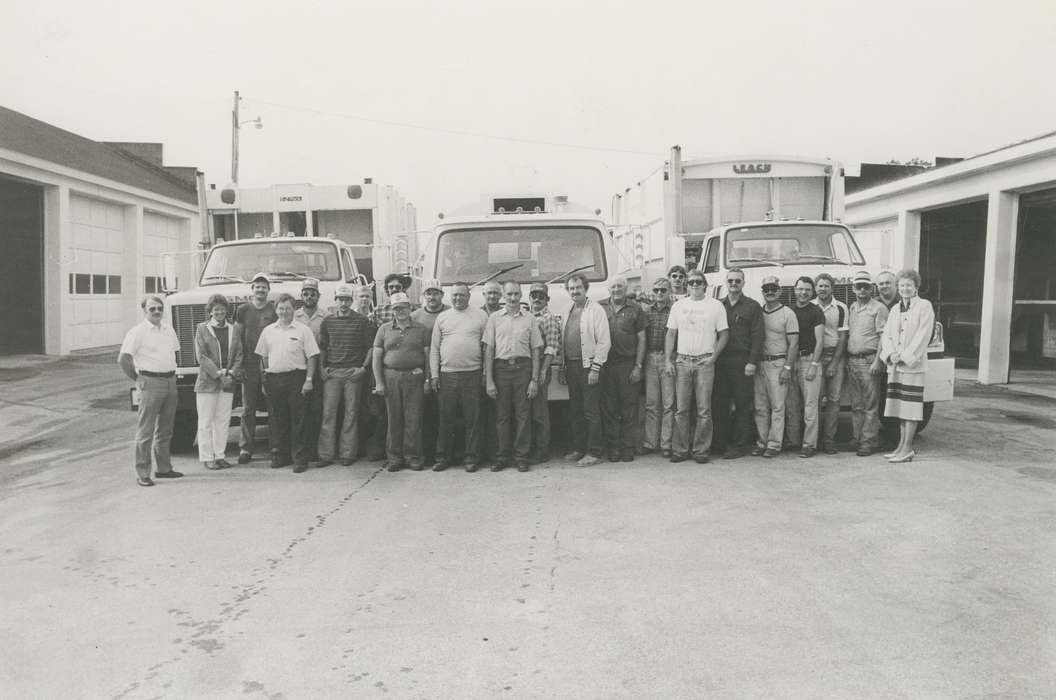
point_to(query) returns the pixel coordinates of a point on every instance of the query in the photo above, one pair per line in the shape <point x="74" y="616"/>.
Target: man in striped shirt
<point x="550" y="328"/>
<point x="834" y="345"/>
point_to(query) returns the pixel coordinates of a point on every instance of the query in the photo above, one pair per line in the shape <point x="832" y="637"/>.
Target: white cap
<point x="399" y="298"/>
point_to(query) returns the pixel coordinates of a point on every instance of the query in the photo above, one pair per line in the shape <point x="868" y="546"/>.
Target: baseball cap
<point x="770" y="279"/>
<point x="260" y="276"/>
<point x="310" y="283"/>
<point x="344" y="291"/>
<point x="399" y="298"/>
<point x="863" y="276"/>
<point x="539" y="287"/>
<point x="432" y="284"/>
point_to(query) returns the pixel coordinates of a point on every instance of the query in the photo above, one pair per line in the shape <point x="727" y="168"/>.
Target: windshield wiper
<point x="297" y="275"/>
<point x="572" y="271"/>
<point x="756" y="260"/>
<point x="223" y="277"/>
<point x="828" y="258"/>
<point x="500" y="272"/>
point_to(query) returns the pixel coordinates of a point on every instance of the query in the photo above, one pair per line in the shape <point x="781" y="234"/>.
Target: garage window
<point x="81" y="283"/>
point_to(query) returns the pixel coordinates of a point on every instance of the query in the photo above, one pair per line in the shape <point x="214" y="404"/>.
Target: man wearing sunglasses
<point x="697" y="331"/>
<point x="736" y="367"/>
<point x="677" y="277"/>
<point x="550" y="329"/>
<point x="148" y="357"/>
<point x="780" y="343"/>
<point x="659" y="385"/>
<point x="395" y="283"/>
<point x="868" y="316"/>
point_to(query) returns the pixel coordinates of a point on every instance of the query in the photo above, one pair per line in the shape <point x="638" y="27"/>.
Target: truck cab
<point x="227" y="270"/>
<point x="524" y="239"/>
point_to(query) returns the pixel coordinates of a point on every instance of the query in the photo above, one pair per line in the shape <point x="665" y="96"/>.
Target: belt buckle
<point x="511" y="361"/>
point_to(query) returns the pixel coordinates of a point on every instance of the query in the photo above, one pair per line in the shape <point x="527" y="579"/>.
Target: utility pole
<point x="234" y="141"/>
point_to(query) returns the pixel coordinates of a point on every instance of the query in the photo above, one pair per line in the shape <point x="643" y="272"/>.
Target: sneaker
<point x="223" y="464"/>
<point x="758" y="451"/>
<point x="588" y="461"/>
<point x="574" y="456"/>
<point x="144" y="481"/>
<point x="244" y="457"/>
<point x="770" y="452"/>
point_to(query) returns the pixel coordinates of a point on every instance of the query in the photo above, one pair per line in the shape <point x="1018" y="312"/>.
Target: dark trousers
<point x="252" y="398"/>
<point x="313" y="417"/>
<point x="619" y="404"/>
<point x="733" y="389"/>
<point x="488" y="436"/>
<point x="584" y="403"/>
<point x="430" y="426"/>
<point x="286" y="415"/>
<point x="459" y="402"/>
<point x="373" y="421"/>
<point x="512" y="408"/>
<point x="404" y="391"/>
<point x="540" y="409"/>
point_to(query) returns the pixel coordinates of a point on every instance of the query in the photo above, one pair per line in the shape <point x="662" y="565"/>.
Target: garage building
<point x="982" y="233"/>
<point x="83" y="227"/>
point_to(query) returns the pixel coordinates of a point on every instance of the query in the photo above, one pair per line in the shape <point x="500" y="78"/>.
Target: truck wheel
<point x="928" y="406"/>
<point x="183" y="432"/>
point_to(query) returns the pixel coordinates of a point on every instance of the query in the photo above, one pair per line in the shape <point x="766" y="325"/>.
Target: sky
<point x="447" y="101"/>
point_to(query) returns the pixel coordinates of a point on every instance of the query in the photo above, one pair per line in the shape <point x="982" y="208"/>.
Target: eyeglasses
<point x="397" y="287"/>
<point x="155" y="308"/>
<point x="659" y="290"/>
<point x="771" y="288"/>
<point x="863" y="285"/>
<point x="734" y="281"/>
<point x="695" y="282"/>
<point x="676" y="276"/>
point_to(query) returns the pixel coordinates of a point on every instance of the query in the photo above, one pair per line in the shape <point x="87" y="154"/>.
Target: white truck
<point x="227" y="269"/>
<point x="524" y="238"/>
<point x="768" y="215"/>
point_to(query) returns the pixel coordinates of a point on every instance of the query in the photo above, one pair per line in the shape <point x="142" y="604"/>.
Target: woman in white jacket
<point x="904" y="347"/>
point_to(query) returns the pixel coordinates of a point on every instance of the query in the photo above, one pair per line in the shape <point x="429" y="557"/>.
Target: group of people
<point x="440" y="385"/>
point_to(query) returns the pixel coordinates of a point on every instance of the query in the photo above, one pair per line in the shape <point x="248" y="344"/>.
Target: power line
<point x="456" y="132"/>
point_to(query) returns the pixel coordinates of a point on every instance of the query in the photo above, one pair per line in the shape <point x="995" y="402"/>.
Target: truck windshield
<point x="791" y="244"/>
<point x="280" y="259"/>
<point x="540" y="253"/>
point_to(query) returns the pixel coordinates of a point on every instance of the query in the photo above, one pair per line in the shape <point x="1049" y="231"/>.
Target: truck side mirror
<point x="169" y="280"/>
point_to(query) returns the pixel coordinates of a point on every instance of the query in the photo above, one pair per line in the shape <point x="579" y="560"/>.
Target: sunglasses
<point x="397" y="287"/>
<point x="155" y="308"/>
<point x="734" y="281"/>
<point x="537" y="295"/>
<point x="695" y="283"/>
<point x="864" y="285"/>
<point x="676" y="276"/>
<point x="771" y="289"/>
<point x="659" y="290"/>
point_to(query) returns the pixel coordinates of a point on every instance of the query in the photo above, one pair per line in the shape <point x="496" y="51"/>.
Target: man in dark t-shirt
<point x="250" y="319"/>
<point x="801" y="405"/>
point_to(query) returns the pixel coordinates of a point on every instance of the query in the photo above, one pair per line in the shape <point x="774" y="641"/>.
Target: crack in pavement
<point x="234" y="609"/>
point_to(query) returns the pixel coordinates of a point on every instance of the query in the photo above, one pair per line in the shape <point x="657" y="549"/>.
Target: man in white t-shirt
<point x="697" y="331"/>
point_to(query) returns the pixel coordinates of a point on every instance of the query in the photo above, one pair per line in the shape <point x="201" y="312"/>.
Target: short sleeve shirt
<point x="867" y="323"/>
<point x="404" y="347"/>
<point x="777" y="326"/>
<point x="512" y="335"/>
<point x="153" y="348"/>
<point x="346" y="339"/>
<point x="809" y="317"/>
<point x="314" y="322"/>
<point x="287" y="348"/>
<point x="253" y="320"/>
<point x="624" y="325"/>
<point x="698" y="322"/>
<point x="835" y="321"/>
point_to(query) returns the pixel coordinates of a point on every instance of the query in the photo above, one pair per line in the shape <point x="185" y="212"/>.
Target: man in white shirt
<point x="697" y="330"/>
<point x="288" y="354"/>
<point x="148" y="357"/>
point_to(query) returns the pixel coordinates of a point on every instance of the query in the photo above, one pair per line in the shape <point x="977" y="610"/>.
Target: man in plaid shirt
<point x="550" y="328"/>
<point x="659" y="387"/>
<point x="394" y="282"/>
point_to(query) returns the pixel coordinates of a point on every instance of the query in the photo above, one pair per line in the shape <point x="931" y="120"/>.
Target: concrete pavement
<point x="831" y="577"/>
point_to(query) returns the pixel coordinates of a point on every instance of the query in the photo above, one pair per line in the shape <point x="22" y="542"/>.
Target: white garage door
<point x="98" y="231"/>
<point x="161" y="234"/>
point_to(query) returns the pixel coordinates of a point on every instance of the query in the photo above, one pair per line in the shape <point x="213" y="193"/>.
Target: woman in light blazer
<point x="904" y="347"/>
<point x="218" y="350"/>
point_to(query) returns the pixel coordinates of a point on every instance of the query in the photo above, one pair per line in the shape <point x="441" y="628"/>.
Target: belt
<point x="861" y="355"/>
<point x="410" y="369"/>
<point x="806" y="353"/>
<point x="694" y="357"/>
<point x="769" y="358"/>
<point x="289" y="371"/>
<point x="159" y="375"/>
<point x="513" y="361"/>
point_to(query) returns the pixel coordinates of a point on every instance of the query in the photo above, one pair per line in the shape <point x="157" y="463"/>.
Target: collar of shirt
<point x="825" y="307"/>
<point x="660" y="306"/>
<point x="506" y="311"/>
<point x="396" y="323"/>
<point x="214" y="324"/>
<point x="151" y="326"/>
<point x="301" y="312"/>
<point x="545" y="311"/>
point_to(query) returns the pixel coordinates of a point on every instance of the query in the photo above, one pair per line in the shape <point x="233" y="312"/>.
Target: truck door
<point x="709" y="264"/>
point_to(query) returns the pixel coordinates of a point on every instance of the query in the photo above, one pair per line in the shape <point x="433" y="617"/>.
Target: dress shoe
<point x="627" y="456"/>
<point x="757" y="451"/>
<point x="322" y="463"/>
<point x="499" y="465"/>
<point x="522" y="466"/>
<point x="614" y="456"/>
<point x="244" y="457"/>
<point x="808" y="452"/>
<point x="733" y="453"/>
<point x="864" y="451"/>
<point x="144" y="481"/>
<point x="416" y="466"/>
<point x="701" y="459"/>
<point x="171" y="474"/>
<point x="471" y="467"/>
<point x="393" y="466"/>
<point x="588" y="461"/>
<point x="440" y="466"/>
<point x="829" y="449"/>
<point x="646" y="451"/>
<point x="906" y="458"/>
<point x="679" y="458"/>
<point x="223" y="464"/>
<point x="770" y="452"/>
<point x="279" y="462"/>
<point x="300" y="467"/>
<point x="666" y="454"/>
<point x="344" y="462"/>
<point x="574" y="456"/>
<point x="210" y="464"/>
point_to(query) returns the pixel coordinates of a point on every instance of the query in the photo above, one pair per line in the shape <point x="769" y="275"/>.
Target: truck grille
<point x="842" y="292"/>
<point x="185" y="319"/>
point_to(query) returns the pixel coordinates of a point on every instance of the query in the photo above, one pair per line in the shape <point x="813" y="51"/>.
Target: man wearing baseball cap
<point x="345" y="342"/>
<point x="780" y="345"/>
<point x="311" y="315"/>
<point x="400" y="359"/>
<point x="866" y="320"/>
<point x="250" y="319"/>
<point x="426" y="315"/>
<point x="394" y="283"/>
<point x="550" y="328"/>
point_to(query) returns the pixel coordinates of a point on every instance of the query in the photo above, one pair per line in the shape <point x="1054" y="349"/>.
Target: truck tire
<point x="928" y="407"/>
<point x="183" y="431"/>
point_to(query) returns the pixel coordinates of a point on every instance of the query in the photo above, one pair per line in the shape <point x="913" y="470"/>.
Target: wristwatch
<point x="788" y="367"/>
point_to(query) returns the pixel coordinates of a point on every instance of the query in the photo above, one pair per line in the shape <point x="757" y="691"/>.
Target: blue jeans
<point x="801" y="405"/>
<point x="659" y="403"/>
<point x="694" y="379"/>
